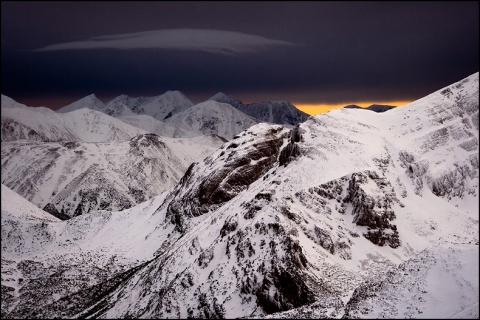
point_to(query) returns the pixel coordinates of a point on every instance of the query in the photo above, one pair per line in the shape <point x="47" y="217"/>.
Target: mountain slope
<point x="278" y="219"/>
<point x="279" y="112"/>
<point x="72" y="178"/>
<point x="89" y="102"/>
<point x="43" y="124"/>
<point x="159" y="107"/>
<point x="212" y="118"/>
<point x="152" y="125"/>
<point x="439" y="282"/>
<point x="8" y="102"/>
<point x="281" y="237"/>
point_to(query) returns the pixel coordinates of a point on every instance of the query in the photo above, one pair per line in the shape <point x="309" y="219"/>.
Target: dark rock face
<point x="292" y="149"/>
<point x="380" y="107"/>
<point x="373" y="107"/>
<point x="224" y="183"/>
<point x="50" y="208"/>
<point x="374" y="211"/>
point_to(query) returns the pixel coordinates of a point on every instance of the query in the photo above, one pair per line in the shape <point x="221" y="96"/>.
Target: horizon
<point x="310" y="109"/>
<point x="316" y="55"/>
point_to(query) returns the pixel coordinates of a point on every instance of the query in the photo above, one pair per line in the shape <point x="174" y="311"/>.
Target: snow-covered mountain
<point x="43" y="124"/>
<point x="279" y="112"/>
<point x="164" y="106"/>
<point x="327" y="215"/>
<point x="73" y="178"/>
<point x="161" y="128"/>
<point x="159" y="107"/>
<point x="90" y="102"/>
<point x="212" y="118"/>
<point x="440" y="282"/>
<point x="8" y="102"/>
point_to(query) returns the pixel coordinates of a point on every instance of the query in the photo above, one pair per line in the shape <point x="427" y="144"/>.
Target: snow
<point x="8" y="102"/>
<point x="14" y="204"/>
<point x="80" y="125"/>
<point x="91" y="102"/>
<point x="211" y="117"/>
<point x="292" y="222"/>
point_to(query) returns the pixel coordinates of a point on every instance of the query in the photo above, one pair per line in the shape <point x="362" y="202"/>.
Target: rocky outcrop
<point x="372" y="197"/>
<point x="50" y="208"/>
<point x="242" y="165"/>
<point x="292" y="149"/>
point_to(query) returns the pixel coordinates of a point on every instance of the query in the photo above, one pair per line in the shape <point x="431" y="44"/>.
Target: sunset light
<point x="313" y="109"/>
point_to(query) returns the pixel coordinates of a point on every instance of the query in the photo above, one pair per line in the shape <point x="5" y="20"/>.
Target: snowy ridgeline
<point x="350" y="214"/>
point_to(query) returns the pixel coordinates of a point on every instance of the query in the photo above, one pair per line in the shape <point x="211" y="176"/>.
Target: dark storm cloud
<point x="344" y="51"/>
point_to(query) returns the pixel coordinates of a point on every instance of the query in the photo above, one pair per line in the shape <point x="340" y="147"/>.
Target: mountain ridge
<point x="277" y="112"/>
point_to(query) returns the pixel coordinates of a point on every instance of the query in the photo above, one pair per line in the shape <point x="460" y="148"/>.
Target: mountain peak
<point x="8" y="102"/>
<point x="225" y="98"/>
<point x="91" y="102"/>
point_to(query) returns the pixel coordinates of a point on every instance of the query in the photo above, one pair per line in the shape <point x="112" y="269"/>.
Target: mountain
<point x="279" y="112"/>
<point x="43" y="124"/>
<point x="73" y="178"/>
<point x="152" y="125"/>
<point x="373" y="107"/>
<point x="58" y="258"/>
<point x="8" y="102"/>
<point x="117" y="109"/>
<point x="324" y="215"/>
<point x="380" y="107"/>
<point x="440" y="282"/>
<point x="166" y="105"/>
<point x="212" y="118"/>
<point x="90" y="102"/>
<point x="159" y="107"/>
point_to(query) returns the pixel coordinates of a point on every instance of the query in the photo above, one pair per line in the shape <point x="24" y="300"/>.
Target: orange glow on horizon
<point x="313" y="109"/>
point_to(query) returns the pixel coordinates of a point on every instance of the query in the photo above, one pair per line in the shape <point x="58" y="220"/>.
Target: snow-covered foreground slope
<point x="72" y="178"/>
<point x="212" y="118"/>
<point x="440" y="282"/>
<point x="43" y="124"/>
<point x="278" y="219"/>
<point x="46" y="260"/>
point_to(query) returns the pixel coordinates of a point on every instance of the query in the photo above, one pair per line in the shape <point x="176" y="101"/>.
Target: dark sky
<point x="54" y="53"/>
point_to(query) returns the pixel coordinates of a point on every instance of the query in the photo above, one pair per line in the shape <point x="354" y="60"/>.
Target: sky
<point x="317" y="55"/>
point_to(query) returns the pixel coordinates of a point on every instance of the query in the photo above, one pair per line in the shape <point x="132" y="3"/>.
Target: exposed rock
<point x="373" y="208"/>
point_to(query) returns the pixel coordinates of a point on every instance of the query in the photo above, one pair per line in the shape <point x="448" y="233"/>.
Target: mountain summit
<point x="276" y="112"/>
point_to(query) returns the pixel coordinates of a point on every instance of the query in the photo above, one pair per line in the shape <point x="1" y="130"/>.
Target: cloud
<point x="214" y="41"/>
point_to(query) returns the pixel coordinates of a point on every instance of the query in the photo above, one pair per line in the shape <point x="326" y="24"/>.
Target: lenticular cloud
<point x="215" y="41"/>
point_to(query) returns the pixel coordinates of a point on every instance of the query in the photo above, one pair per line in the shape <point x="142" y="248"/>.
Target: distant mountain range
<point x="43" y="124"/>
<point x="277" y="112"/>
<point x="373" y="107"/>
<point x="348" y="214"/>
